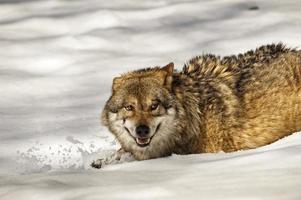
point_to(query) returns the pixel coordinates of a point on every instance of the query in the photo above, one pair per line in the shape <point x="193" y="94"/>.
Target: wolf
<point x="213" y="104"/>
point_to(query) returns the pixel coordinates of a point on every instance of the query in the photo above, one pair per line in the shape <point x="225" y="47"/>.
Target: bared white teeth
<point x="142" y="141"/>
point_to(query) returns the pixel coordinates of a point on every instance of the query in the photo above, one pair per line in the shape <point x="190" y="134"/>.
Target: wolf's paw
<point x="97" y="163"/>
<point x="116" y="157"/>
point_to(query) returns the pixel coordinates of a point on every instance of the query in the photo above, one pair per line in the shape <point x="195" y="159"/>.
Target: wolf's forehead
<point x="141" y="85"/>
<point x="142" y="92"/>
<point x="137" y="100"/>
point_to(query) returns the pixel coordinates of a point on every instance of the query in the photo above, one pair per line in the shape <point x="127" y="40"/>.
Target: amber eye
<point x="154" y="106"/>
<point x="129" y="108"/>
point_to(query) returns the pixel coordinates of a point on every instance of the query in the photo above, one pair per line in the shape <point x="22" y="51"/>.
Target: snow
<point x="57" y="61"/>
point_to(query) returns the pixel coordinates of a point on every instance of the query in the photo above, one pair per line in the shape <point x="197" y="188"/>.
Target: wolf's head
<point x="143" y="113"/>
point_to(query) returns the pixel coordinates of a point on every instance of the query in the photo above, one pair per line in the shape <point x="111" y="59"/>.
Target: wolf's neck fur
<point x="210" y="102"/>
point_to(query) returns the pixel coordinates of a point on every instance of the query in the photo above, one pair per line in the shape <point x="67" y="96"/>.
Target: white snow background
<point x="57" y="61"/>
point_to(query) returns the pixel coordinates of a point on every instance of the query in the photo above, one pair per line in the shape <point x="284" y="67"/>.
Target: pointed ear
<point x="117" y="81"/>
<point x="168" y="69"/>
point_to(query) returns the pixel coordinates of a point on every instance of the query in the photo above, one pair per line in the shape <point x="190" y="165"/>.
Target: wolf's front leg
<point x="116" y="157"/>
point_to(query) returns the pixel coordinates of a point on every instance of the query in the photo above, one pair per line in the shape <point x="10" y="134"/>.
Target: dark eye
<point x="114" y="110"/>
<point x="154" y="106"/>
<point x="129" y="108"/>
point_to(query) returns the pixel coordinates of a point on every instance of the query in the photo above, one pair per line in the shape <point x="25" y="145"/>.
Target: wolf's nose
<point x="142" y="130"/>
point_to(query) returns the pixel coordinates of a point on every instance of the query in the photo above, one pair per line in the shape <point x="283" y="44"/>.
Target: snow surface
<point x="57" y="61"/>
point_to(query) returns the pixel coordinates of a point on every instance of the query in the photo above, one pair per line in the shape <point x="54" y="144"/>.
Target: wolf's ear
<point x="167" y="77"/>
<point x="117" y="81"/>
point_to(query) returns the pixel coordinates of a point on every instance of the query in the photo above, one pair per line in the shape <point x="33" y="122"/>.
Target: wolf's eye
<point x="154" y="106"/>
<point x="129" y="108"/>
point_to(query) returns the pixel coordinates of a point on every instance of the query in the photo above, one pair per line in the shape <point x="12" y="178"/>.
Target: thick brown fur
<point x="214" y="104"/>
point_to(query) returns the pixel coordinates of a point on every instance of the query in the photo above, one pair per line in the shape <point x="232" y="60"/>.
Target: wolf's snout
<point x="142" y="130"/>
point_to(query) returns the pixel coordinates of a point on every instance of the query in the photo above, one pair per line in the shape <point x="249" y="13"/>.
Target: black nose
<point x="142" y="130"/>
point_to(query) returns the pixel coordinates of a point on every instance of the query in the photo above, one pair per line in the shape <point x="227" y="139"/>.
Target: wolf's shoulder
<point x="209" y="67"/>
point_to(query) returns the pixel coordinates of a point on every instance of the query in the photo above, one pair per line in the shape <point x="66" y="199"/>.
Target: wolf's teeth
<point x="142" y="141"/>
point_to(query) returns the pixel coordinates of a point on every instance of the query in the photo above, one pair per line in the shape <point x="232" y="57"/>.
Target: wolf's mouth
<point x="143" y="142"/>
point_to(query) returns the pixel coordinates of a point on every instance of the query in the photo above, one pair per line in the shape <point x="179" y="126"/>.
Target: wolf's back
<point x="258" y="91"/>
